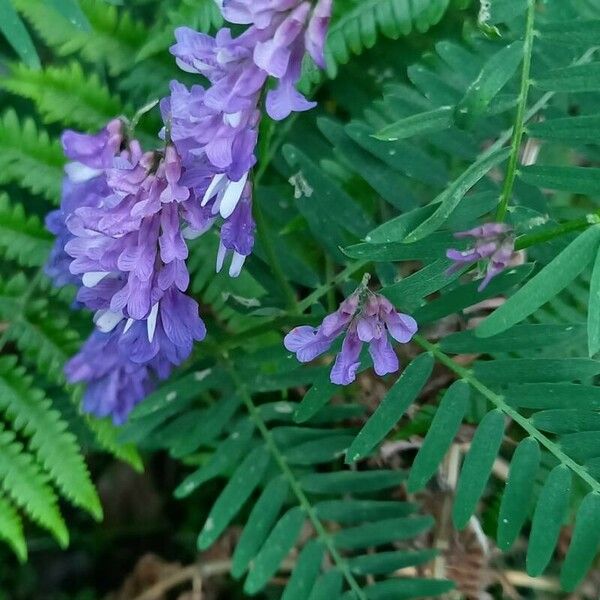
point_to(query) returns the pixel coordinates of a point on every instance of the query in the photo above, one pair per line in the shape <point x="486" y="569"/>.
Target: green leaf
<point x="437" y="119"/>
<point x="548" y="519"/>
<point x="238" y="489"/>
<point x="534" y="370"/>
<point x="275" y="549"/>
<point x="329" y="196"/>
<point x="71" y="11"/>
<point x="593" y="324"/>
<point x="404" y="588"/>
<point x="215" y="418"/>
<point x="451" y="197"/>
<point x="579" y="180"/>
<point x="528" y="336"/>
<point x="497" y="71"/>
<point x="408" y="293"/>
<point x="552" y="279"/>
<point x="584" y="543"/>
<point x="349" y="482"/>
<point x="431" y="249"/>
<point x="389" y="184"/>
<point x="468" y="294"/>
<point x="578" y="33"/>
<point x="566" y="420"/>
<point x="540" y="396"/>
<point x="225" y="457"/>
<point x="477" y="467"/>
<point x="384" y="563"/>
<point x="576" y="78"/>
<point x="382" y="532"/>
<point x="329" y="586"/>
<point x="392" y="407"/>
<point x="262" y="518"/>
<point x="351" y="512"/>
<point x="443" y="429"/>
<point x="516" y="499"/>
<point x="15" y="32"/>
<point x="466" y="213"/>
<point x="305" y="573"/>
<point x="585" y="129"/>
<point x="315" y="399"/>
<point x="319" y="451"/>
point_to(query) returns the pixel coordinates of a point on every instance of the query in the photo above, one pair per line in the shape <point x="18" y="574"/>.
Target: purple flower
<point x="114" y="383"/>
<point x="494" y="242"/>
<point x="120" y="239"/>
<point x="367" y="318"/>
<point x="215" y="129"/>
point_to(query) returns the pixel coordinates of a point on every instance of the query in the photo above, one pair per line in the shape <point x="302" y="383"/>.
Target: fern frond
<point x="359" y="27"/>
<point x="66" y="94"/>
<point x="11" y="529"/>
<point x="56" y="448"/>
<point x="114" y="36"/>
<point x="107" y="436"/>
<point x="29" y="157"/>
<point x="21" y="478"/>
<point x="115" y="39"/>
<point x="22" y="238"/>
<point x="44" y="337"/>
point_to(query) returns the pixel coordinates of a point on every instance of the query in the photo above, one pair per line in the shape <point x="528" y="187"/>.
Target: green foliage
<point x="380" y="186"/>
<point x="30" y="157"/>
<point x="360" y="24"/>
<point x="296" y="480"/>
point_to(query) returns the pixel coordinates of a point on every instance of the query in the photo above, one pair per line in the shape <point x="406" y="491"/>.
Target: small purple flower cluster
<point x="366" y="318"/>
<point x="119" y="240"/>
<point x="126" y="214"/>
<point x="215" y="129"/>
<point x="494" y="242"/>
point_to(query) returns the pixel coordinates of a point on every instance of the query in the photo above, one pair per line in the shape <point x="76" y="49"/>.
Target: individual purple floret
<point x="366" y="318"/>
<point x="494" y="242"/>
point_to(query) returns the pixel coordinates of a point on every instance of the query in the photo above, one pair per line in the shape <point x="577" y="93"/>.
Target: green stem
<point x="518" y="129"/>
<point x="295" y="486"/>
<point x="323" y="289"/>
<point x="499" y="402"/>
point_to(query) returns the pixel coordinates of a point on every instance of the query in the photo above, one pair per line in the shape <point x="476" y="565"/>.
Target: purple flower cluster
<point x="493" y="242"/>
<point x="119" y="240"/>
<point x="215" y="129"/>
<point x="366" y="318"/>
<point x="126" y="214"/>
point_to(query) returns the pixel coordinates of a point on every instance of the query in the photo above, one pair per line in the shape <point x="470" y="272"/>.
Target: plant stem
<point x="295" y="486"/>
<point x="323" y="289"/>
<point x="518" y="129"/>
<point x="499" y="402"/>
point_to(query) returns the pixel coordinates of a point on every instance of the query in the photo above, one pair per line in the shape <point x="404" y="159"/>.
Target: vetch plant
<point x="355" y="291"/>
